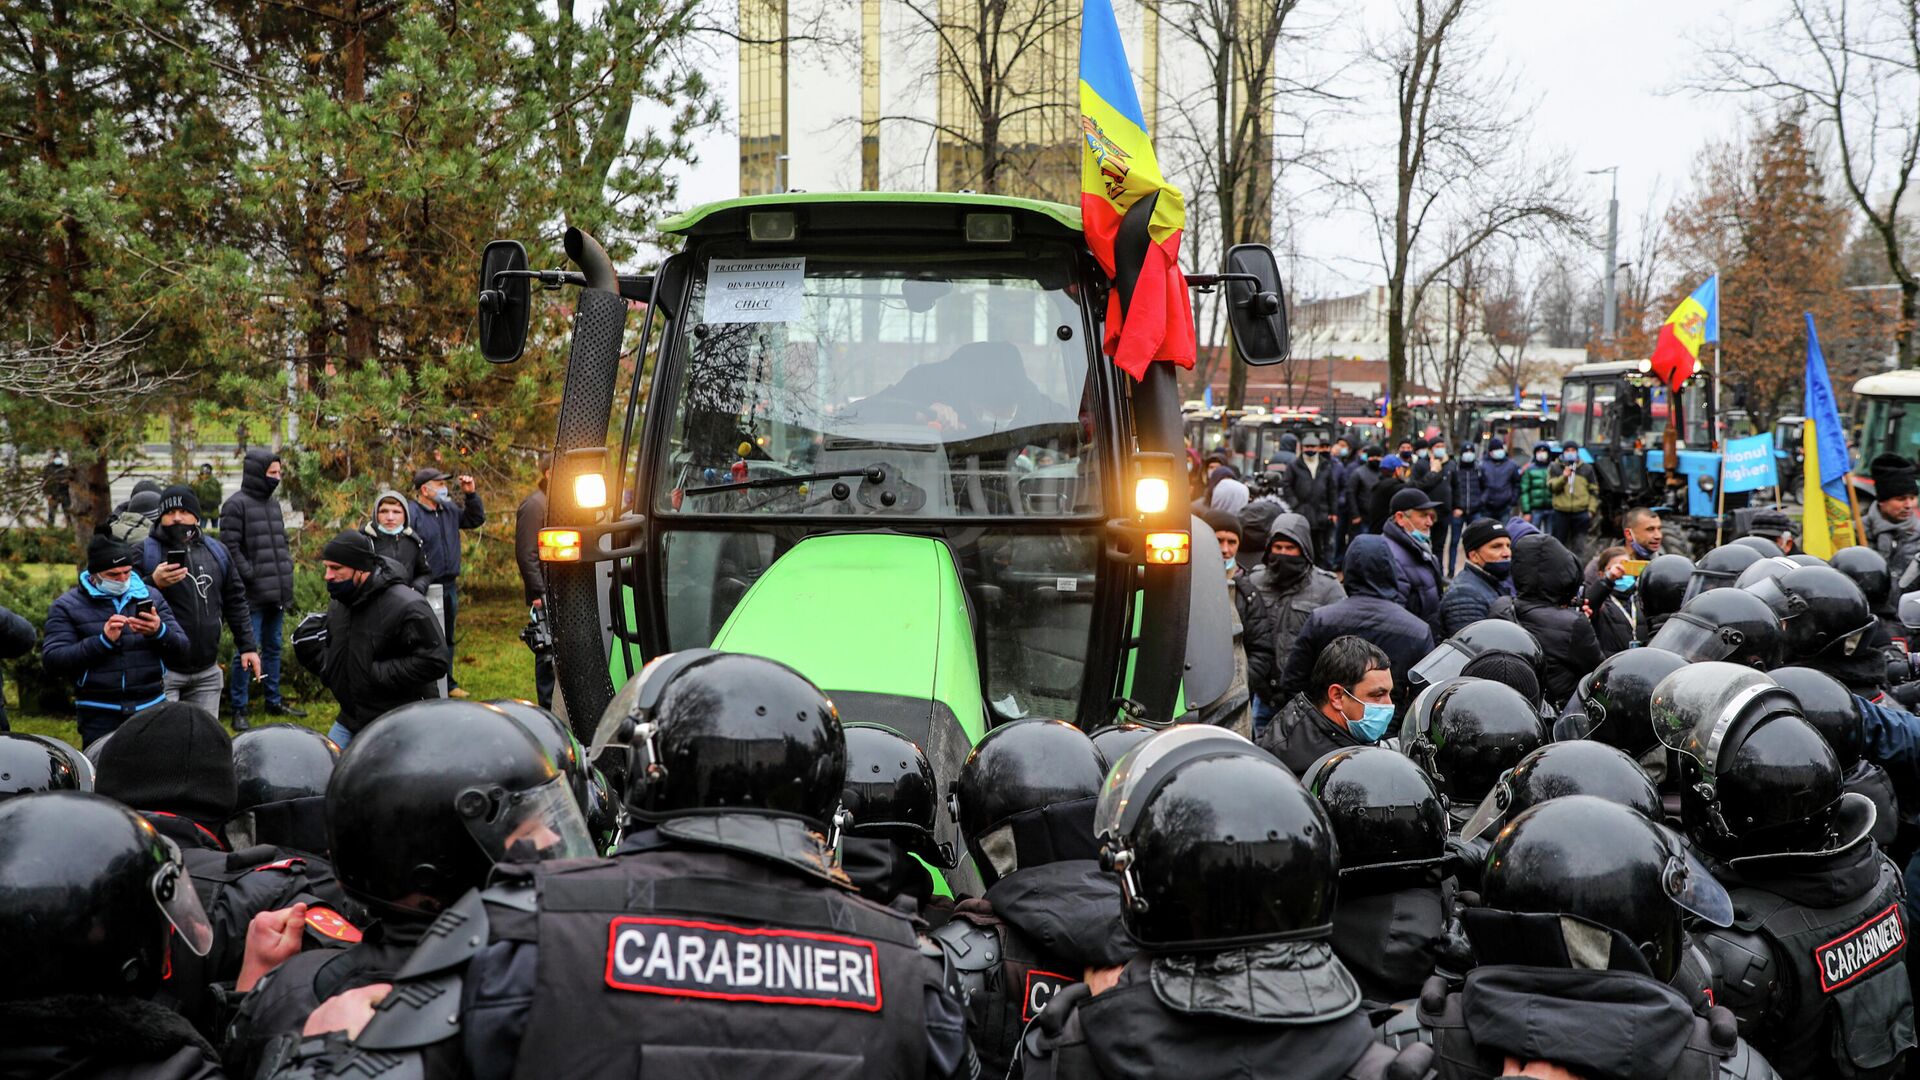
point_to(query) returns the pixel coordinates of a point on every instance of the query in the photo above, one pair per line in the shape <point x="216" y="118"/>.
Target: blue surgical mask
<point x="1373" y="720"/>
<point x="110" y="586"/>
<point x="1439" y="453"/>
<point x="390" y="531"/>
<point x="1424" y="539"/>
<point x="1497" y="455"/>
<point x="1570" y="457"/>
<point x="1466" y="458"/>
<point x="1625" y="582"/>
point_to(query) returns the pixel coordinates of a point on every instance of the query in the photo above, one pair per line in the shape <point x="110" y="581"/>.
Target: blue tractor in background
<point x="1650" y="446"/>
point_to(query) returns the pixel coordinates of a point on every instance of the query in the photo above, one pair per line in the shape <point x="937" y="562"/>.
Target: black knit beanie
<point x="107" y="552"/>
<point x="351" y="548"/>
<point x="180" y="497"/>
<point x="173" y="757"/>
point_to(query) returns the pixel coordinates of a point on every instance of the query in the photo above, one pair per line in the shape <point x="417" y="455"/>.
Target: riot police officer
<point x="1024" y="802"/>
<point x="1724" y="624"/>
<point x="891" y="808"/>
<point x="28" y="764"/>
<point x="1465" y="732"/>
<point x="1830" y="707"/>
<point x="1115" y="740"/>
<point x="1228" y="869"/>
<point x="1578" y="767"/>
<point x="718" y="937"/>
<point x="1721" y="568"/>
<point x="1614" y="706"/>
<point x="280" y="774"/>
<point x="173" y="764"/>
<point x="1829" y="625"/>
<point x="1868" y="569"/>
<point x="1814" y="963"/>
<point x="1450" y="657"/>
<point x="589" y="785"/>
<point x="405" y="846"/>
<point x="1395" y="922"/>
<point x="89" y="895"/>
<point x="1662" y="589"/>
<point x="1579" y="931"/>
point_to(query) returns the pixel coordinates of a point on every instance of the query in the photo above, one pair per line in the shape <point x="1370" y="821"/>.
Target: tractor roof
<point x="865" y="212"/>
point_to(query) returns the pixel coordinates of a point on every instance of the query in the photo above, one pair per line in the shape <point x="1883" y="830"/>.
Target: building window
<point x="763" y="96"/>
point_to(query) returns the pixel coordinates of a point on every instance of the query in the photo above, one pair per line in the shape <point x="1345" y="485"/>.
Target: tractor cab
<point x="1520" y="429"/>
<point x="1887" y="421"/>
<point x="873" y="436"/>
<point x="1255" y="441"/>
<point x="1620" y="415"/>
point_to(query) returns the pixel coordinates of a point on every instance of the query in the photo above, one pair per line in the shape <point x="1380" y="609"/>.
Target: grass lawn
<point x="492" y="663"/>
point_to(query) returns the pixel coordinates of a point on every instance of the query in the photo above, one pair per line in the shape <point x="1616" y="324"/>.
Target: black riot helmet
<point x="1217" y="845"/>
<point x="1116" y="739"/>
<point x="1582" y="882"/>
<point x="891" y="793"/>
<point x="1807" y="558"/>
<point x="1766" y="568"/>
<point x="1757" y="779"/>
<point x="1025" y="796"/>
<point x="1721" y="567"/>
<point x="424" y="802"/>
<point x="1616" y="700"/>
<point x="1385" y="812"/>
<point x="1724" y="624"/>
<point x="1762" y="546"/>
<point x="705" y="732"/>
<point x="280" y="774"/>
<point x="1827" y="704"/>
<point x="28" y="764"/>
<point x="1465" y="732"/>
<point x="1868" y="569"/>
<point x="1824" y="612"/>
<point x="82" y="764"/>
<point x="1663" y="584"/>
<point x="1556" y="770"/>
<point x="589" y="788"/>
<point x="89" y="895"/>
<point x="1510" y="669"/>
<point x="1486" y="635"/>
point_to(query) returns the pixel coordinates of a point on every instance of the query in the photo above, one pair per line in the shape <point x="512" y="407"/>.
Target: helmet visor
<point x="1696" y="639"/>
<point x="173" y="891"/>
<point x="1692" y="886"/>
<point x="1492" y="810"/>
<point x="1444" y="662"/>
<point x="1694" y="713"/>
<point x="1126" y="784"/>
<point x="542" y="822"/>
<point x="1784" y="606"/>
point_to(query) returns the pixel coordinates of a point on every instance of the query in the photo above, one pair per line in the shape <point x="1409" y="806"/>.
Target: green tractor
<point x="880" y="443"/>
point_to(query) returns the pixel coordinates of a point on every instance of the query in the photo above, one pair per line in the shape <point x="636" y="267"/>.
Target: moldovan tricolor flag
<point x="1117" y="170"/>
<point x="1693" y="324"/>
<point x="1826" y="523"/>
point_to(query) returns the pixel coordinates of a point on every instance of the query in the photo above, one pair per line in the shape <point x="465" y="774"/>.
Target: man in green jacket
<point x="1536" y="500"/>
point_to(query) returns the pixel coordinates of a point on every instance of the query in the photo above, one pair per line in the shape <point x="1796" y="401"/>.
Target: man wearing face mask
<point x="378" y="646"/>
<point x="196" y="575"/>
<point x="1375" y="607"/>
<point x="439" y="522"/>
<point x="114" y="637"/>
<point x="1574" y="498"/>
<point x="1485" y="578"/>
<point x="1410" y="532"/>
<point x="1436" y="475"/>
<point x="1499" y="483"/>
<point x="255" y="536"/>
<point x="1536" y="499"/>
<point x="1310" y="489"/>
<point x="1275" y="602"/>
<point x="1348" y="703"/>
<point x="394" y="540"/>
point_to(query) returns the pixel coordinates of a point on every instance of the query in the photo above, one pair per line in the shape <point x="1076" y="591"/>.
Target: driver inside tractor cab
<point x="982" y="389"/>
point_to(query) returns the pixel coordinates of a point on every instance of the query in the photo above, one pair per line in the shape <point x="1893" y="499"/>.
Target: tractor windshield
<point x="940" y="386"/>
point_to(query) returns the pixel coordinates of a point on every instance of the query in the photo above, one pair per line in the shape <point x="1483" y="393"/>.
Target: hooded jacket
<point x="382" y="648"/>
<point x="1362" y="477"/>
<point x="439" y="530"/>
<point x="1273" y="612"/>
<point x="1546" y="584"/>
<point x="255" y="534"/>
<point x="210" y="597"/>
<point x="404" y="549"/>
<point x="1374" y="608"/>
<point x="1419" y="569"/>
<point x="1498" y="485"/>
<point x="115" y="677"/>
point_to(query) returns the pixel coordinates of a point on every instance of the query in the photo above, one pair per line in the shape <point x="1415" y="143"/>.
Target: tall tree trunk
<point x="360" y="287"/>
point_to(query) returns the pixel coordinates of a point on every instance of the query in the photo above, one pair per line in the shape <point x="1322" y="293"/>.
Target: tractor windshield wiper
<point x="872" y="474"/>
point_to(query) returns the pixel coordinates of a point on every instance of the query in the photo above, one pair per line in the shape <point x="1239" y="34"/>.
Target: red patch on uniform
<point x="687" y="958"/>
<point x="1864" y="949"/>
<point x="328" y="923"/>
<point x="283" y="864"/>
<point x="1041" y="986"/>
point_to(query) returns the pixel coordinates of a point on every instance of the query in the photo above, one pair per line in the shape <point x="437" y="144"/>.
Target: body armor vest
<point x="1004" y="982"/>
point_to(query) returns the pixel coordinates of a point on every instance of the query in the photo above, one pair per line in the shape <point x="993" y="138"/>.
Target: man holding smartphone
<point x="114" y="637"/>
<point x="195" y="573"/>
<point x="438" y="520"/>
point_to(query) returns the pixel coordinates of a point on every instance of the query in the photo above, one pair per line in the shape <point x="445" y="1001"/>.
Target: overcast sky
<point x="1604" y="79"/>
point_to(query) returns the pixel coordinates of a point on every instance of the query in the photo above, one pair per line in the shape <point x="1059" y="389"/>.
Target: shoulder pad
<point x="968" y="947"/>
<point x="516" y="895"/>
<point x="1746" y="1063"/>
<point x="364" y="1064"/>
<point x="1747" y="973"/>
<point x="454" y="938"/>
<point x="417" y="1014"/>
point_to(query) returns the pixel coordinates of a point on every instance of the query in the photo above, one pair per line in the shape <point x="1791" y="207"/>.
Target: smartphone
<point x="177" y="558"/>
<point x="143" y="607"/>
<point x="1634" y="567"/>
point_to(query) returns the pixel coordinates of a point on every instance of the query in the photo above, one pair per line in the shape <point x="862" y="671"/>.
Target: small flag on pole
<point x="1827" y="523"/>
<point x="1694" y="323"/>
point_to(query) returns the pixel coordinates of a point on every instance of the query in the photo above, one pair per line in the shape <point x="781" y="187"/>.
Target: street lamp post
<point x="1609" y="317"/>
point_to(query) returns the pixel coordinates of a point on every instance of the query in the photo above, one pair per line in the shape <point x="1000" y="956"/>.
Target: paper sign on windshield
<point x="755" y="290"/>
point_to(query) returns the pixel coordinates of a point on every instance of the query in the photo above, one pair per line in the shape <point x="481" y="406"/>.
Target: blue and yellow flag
<point x="1828" y="522"/>
<point x="1117" y="170"/>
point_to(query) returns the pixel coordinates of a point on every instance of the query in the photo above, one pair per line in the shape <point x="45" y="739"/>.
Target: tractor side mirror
<point x="506" y="302"/>
<point x="1257" y="309"/>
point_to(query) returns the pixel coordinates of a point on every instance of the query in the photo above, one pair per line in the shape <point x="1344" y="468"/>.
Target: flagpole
<point x="1853" y="506"/>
